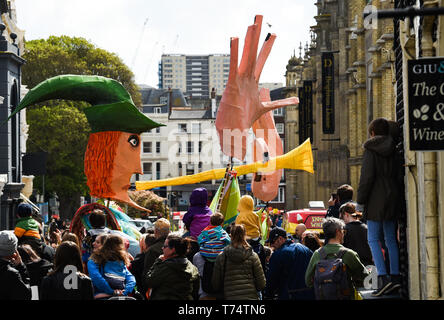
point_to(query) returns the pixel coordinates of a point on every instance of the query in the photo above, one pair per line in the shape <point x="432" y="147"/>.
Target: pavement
<point x="367" y="295"/>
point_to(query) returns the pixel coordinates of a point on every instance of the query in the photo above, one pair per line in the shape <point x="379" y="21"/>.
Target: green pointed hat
<point x="112" y="108"/>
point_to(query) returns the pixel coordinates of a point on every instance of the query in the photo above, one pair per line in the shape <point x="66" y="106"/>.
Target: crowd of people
<point x="209" y="261"/>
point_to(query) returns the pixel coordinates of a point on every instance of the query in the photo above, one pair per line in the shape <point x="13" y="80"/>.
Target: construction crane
<point x="138" y="45"/>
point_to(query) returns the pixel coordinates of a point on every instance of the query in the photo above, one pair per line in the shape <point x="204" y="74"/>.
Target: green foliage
<point x="62" y="131"/>
<point x="46" y="58"/>
<point x="60" y="127"/>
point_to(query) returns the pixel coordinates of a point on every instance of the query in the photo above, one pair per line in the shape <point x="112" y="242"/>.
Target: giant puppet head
<point x="113" y="152"/>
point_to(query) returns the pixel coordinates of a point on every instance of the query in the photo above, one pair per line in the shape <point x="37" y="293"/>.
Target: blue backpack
<point x="331" y="281"/>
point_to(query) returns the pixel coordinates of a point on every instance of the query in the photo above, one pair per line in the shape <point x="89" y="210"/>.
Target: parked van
<point x="312" y="217"/>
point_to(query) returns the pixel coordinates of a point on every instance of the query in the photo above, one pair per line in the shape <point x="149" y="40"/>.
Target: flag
<point x="229" y="203"/>
<point x="264" y="224"/>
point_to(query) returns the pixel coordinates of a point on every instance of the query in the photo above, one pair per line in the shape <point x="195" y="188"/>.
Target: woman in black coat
<point x="378" y="193"/>
<point x="67" y="281"/>
<point x="37" y="267"/>
<point x="355" y="237"/>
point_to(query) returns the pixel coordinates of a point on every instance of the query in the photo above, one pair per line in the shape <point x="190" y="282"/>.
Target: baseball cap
<point x="276" y="233"/>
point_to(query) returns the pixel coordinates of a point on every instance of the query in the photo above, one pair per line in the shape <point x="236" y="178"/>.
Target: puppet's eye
<point x="133" y="140"/>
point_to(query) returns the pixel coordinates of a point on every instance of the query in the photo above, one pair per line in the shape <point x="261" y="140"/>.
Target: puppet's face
<point x="126" y="163"/>
<point x="111" y="158"/>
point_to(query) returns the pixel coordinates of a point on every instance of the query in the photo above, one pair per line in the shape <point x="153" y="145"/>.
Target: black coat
<point x="40" y="247"/>
<point x="136" y="269"/>
<point x="356" y="239"/>
<point x="52" y="288"/>
<point x="378" y="187"/>
<point x="153" y="252"/>
<point x="38" y="270"/>
<point x="14" y="282"/>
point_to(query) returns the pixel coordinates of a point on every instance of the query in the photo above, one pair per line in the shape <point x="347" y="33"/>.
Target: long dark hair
<point x="67" y="254"/>
<point x="113" y="249"/>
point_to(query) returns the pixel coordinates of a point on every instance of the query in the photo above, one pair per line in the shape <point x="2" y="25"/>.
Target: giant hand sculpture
<point x="268" y="145"/>
<point x="240" y="105"/>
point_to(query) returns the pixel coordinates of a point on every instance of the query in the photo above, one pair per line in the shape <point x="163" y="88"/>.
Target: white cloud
<point x="175" y="26"/>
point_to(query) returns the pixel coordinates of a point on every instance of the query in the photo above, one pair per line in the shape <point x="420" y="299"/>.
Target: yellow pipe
<point x="300" y="158"/>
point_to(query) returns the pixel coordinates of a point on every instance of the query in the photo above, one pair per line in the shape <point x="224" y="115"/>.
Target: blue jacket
<point x="115" y="267"/>
<point x="286" y="273"/>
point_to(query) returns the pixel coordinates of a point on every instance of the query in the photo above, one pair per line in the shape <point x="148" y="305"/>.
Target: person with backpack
<point x="286" y="268"/>
<point x="212" y="242"/>
<point x="334" y="271"/>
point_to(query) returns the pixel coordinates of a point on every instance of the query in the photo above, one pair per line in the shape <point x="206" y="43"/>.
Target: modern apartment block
<point x="195" y="75"/>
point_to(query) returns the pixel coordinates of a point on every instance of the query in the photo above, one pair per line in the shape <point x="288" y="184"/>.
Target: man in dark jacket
<point x="161" y="231"/>
<point x="138" y="264"/>
<point x="286" y="269"/>
<point x="14" y="278"/>
<point x="378" y="194"/>
<point x="343" y="195"/>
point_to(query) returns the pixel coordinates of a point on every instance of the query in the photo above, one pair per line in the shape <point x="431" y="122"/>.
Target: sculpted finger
<point x="249" y="53"/>
<point x="264" y="95"/>
<point x="234" y="52"/>
<point x="271" y="105"/>
<point x="263" y="55"/>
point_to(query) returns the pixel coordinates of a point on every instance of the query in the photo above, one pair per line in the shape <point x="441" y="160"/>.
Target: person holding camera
<point x="14" y="277"/>
<point x="343" y="195"/>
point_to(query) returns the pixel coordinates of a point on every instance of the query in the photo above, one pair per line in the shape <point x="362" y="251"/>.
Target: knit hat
<point x="24" y="210"/>
<point x="8" y="243"/>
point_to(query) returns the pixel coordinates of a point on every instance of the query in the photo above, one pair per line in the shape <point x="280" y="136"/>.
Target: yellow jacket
<point x="248" y="217"/>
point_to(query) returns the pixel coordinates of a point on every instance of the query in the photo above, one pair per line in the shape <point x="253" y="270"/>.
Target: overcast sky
<point x="139" y="31"/>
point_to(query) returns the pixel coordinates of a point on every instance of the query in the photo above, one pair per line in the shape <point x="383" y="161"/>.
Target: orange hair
<point x="99" y="162"/>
